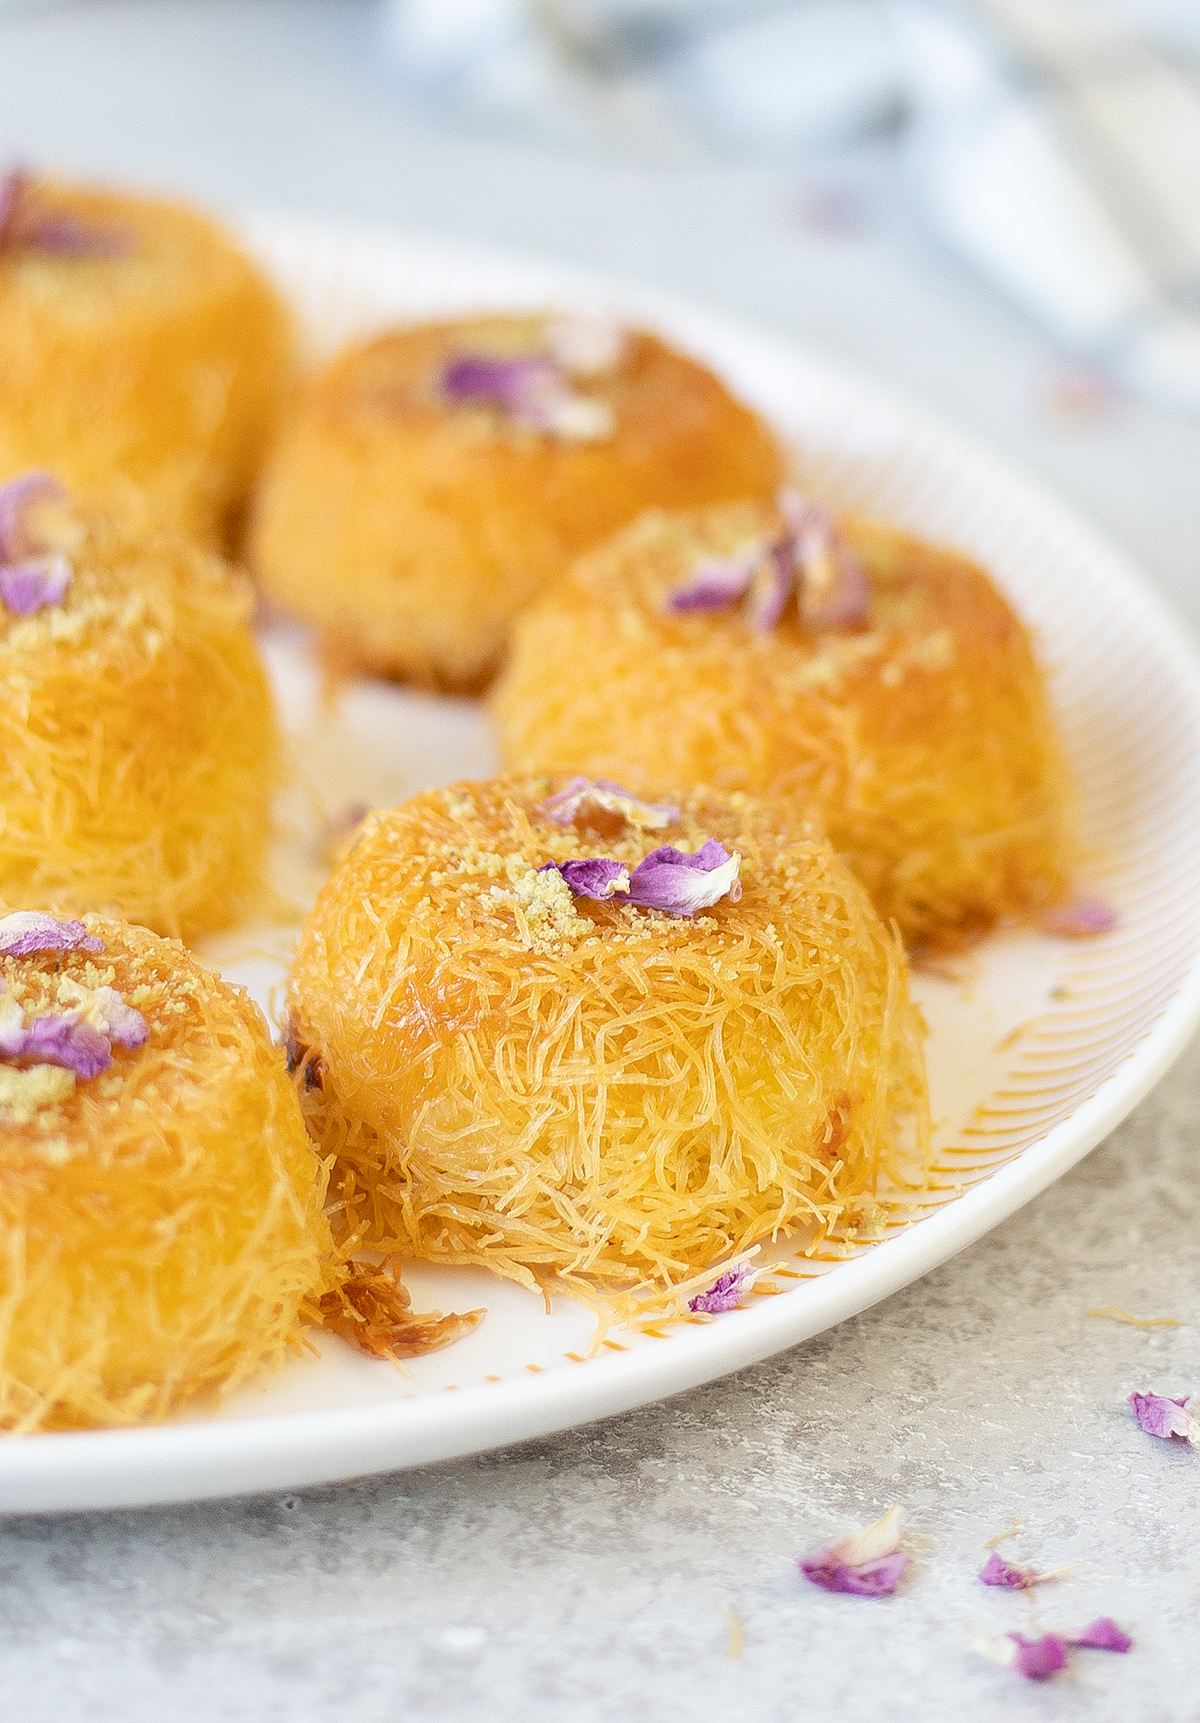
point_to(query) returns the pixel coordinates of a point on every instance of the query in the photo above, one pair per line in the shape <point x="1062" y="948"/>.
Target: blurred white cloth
<point x="1054" y="143"/>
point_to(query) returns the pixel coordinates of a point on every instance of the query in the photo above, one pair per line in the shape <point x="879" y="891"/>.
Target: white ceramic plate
<point x="1035" y="1053"/>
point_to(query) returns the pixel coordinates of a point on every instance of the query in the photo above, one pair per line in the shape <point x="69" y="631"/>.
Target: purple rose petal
<point x="807" y="558"/>
<point x="1079" y="920"/>
<point x="60" y="1038"/>
<point x="866" y="1563"/>
<point x="62" y="234"/>
<point x="595" y="876"/>
<point x="717" y="582"/>
<point x="474" y="379"/>
<point x="726" y="1293"/>
<point x="27" y="931"/>
<point x="13" y="187"/>
<point x="1166" y="1418"/>
<point x="680" y="884"/>
<point x="1038" y="1659"/>
<point x="1103" y="1634"/>
<point x="997" y="1571"/>
<point x="868" y="1579"/>
<point x="66" y="236"/>
<point x="29" y="586"/>
<point x="532" y="390"/>
<point x="833" y="589"/>
<point x="583" y="794"/>
<point x="124" y="1025"/>
<point x="773" y="584"/>
<point x="16" y="499"/>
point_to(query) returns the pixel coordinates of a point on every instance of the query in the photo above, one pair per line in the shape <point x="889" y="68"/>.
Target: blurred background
<point x="993" y="205"/>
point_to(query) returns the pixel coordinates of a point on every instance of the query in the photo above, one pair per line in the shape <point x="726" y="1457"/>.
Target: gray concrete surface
<point x="589" y="1577"/>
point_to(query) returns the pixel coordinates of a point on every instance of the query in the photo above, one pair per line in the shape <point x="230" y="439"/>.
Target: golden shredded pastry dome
<point x="509" y="1074"/>
<point x="138" y="743"/>
<point x="921" y="735"/>
<point x="434" y="480"/>
<point x="145" y="356"/>
<point x="161" y="1218"/>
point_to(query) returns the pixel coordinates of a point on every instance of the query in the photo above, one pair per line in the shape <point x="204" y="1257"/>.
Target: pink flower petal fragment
<point x="997" y="1571"/>
<point x="1166" y="1418"/>
<point x="1081" y="919"/>
<point x="1038" y="1659"/>
<point x="595" y="876"/>
<point x="532" y="390"/>
<point x="680" y="884"/>
<point x="62" y="234"/>
<point x="866" y="1563"/>
<point x="832" y="583"/>
<point x="123" y="1024"/>
<point x="27" y="931"/>
<point x="19" y="501"/>
<point x="807" y="558"/>
<point x="57" y="1038"/>
<point x="587" y="795"/>
<point x="726" y="1293"/>
<point x="771" y="588"/>
<point x="1103" y="1634"/>
<point x="476" y="379"/>
<point x="717" y="582"/>
<point x="29" y="586"/>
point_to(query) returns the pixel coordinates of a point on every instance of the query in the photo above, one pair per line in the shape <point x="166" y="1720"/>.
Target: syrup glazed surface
<point x="410" y="526"/>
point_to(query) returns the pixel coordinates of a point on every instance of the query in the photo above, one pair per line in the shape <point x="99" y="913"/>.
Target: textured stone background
<point x="588" y="1577"/>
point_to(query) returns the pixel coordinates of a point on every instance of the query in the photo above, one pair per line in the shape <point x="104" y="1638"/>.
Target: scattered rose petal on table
<point x="1103" y="1634"/>
<point x="1169" y="1419"/>
<point x="866" y="1563"/>
<point x="1035" y="1659"/>
<point x="996" y="1571"/>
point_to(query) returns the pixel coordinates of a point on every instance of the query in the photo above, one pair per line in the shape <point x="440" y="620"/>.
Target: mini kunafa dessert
<point x="139" y="751"/>
<point x="434" y="480"/>
<point x="144" y="353"/>
<point x="161" y="1220"/>
<point x="881" y="682"/>
<point x="557" y="1030"/>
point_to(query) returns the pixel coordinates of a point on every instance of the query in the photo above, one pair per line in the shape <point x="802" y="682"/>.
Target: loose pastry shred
<point x="373" y="1310"/>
